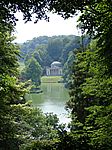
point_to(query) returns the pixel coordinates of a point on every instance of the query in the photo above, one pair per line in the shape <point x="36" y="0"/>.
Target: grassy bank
<point x="51" y="79"/>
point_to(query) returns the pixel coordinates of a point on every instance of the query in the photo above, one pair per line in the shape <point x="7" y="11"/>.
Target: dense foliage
<point x="45" y="50"/>
<point x="22" y="127"/>
<point x="49" y="49"/>
<point x="32" y="72"/>
<point x="11" y="92"/>
<point x="91" y="99"/>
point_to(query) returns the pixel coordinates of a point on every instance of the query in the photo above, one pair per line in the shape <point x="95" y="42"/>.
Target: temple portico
<point x="55" y="69"/>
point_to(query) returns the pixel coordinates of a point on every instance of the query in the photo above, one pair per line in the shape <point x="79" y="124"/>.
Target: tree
<point x="38" y="54"/>
<point x="20" y="124"/>
<point x="54" y="48"/>
<point x="33" y="71"/>
<point x="11" y="92"/>
<point x="96" y="19"/>
<point x="67" y="69"/>
<point x="90" y="93"/>
<point x="42" y="56"/>
<point x="8" y="54"/>
<point x="73" y="43"/>
<point x="47" y="49"/>
<point x="79" y="73"/>
<point x="9" y="8"/>
<point x="98" y="127"/>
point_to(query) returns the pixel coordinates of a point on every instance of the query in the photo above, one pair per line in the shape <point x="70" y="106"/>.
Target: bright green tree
<point x="34" y="126"/>
<point x="33" y="71"/>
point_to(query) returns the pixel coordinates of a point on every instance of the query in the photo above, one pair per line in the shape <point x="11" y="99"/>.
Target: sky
<point x="56" y="26"/>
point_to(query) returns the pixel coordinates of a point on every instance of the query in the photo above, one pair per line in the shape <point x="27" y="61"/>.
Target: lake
<point x="52" y="99"/>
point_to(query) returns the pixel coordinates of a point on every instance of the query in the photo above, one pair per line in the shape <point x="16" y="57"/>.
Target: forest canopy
<point x="46" y="50"/>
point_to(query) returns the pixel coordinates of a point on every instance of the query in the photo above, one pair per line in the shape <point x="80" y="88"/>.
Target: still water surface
<point x="52" y="99"/>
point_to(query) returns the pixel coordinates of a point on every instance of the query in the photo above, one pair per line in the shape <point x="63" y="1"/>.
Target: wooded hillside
<point x="48" y="49"/>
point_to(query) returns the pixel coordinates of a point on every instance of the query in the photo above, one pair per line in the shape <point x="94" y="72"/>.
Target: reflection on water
<point x="52" y="99"/>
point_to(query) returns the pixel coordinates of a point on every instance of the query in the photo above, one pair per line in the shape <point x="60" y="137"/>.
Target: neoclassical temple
<point x="55" y="69"/>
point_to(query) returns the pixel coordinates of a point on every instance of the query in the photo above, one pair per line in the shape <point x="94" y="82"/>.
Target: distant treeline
<point x="40" y="52"/>
<point x="48" y="49"/>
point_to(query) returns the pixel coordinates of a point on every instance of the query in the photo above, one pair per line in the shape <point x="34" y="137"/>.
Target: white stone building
<point x="55" y="69"/>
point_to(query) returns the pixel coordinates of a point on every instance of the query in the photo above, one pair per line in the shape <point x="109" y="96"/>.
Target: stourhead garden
<point x="52" y="99"/>
<point x="56" y="92"/>
<point x="53" y="95"/>
<point x="49" y="91"/>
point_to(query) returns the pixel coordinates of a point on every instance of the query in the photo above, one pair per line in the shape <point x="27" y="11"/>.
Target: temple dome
<point x="56" y="64"/>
